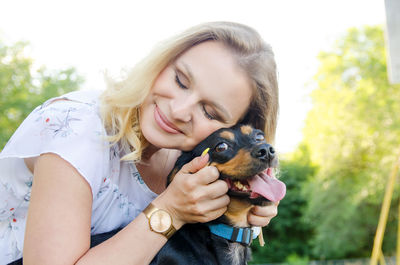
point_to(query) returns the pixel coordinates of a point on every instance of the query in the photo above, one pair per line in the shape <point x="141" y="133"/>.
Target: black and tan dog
<point x="242" y="157"/>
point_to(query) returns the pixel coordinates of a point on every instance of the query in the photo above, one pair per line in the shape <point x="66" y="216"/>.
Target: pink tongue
<point x="267" y="186"/>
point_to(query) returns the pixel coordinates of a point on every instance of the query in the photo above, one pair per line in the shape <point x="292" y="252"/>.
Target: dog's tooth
<point x="237" y="184"/>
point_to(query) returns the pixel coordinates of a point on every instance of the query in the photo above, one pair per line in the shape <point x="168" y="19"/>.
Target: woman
<point x="211" y="76"/>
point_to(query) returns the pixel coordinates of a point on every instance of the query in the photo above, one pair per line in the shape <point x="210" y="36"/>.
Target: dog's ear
<point x="183" y="159"/>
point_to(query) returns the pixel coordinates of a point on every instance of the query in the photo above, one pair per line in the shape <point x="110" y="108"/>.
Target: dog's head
<point x="244" y="160"/>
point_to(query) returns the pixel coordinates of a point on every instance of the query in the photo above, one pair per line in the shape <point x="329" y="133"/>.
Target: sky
<point x="99" y="36"/>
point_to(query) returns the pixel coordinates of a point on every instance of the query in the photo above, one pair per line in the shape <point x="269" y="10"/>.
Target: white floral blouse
<point x="71" y="128"/>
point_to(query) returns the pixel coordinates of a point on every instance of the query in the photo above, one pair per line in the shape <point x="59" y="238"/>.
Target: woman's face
<point x="202" y="91"/>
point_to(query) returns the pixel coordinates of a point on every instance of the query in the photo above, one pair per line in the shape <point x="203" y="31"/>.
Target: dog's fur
<point x="246" y="154"/>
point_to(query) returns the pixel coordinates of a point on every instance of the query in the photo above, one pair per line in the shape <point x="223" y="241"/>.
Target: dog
<point x="243" y="158"/>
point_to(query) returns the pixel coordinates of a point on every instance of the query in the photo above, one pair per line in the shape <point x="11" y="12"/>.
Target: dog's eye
<point x="221" y="147"/>
<point x="260" y="137"/>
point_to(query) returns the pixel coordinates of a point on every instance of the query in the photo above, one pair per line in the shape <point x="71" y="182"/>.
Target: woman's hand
<point x="262" y="215"/>
<point x="195" y="194"/>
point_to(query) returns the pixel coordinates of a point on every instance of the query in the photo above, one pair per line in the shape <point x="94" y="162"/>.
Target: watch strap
<point x="170" y="232"/>
<point x="149" y="210"/>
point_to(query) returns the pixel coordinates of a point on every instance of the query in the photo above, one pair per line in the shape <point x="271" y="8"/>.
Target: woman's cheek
<point x="205" y="130"/>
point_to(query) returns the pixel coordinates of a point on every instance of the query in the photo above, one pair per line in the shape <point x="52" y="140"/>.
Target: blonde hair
<point x="121" y="101"/>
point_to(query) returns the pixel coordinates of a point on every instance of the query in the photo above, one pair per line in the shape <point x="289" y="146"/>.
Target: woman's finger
<point x="216" y="189"/>
<point x="265" y="211"/>
<point x="207" y="175"/>
<point x="215" y="204"/>
<point x="262" y="215"/>
<point x="195" y="165"/>
<point x="256" y="220"/>
<point x="212" y="215"/>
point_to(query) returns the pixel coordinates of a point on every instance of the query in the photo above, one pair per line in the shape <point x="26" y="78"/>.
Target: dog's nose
<point x="264" y="151"/>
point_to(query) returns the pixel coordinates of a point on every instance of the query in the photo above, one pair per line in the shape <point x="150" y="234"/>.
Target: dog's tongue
<point x="267" y="186"/>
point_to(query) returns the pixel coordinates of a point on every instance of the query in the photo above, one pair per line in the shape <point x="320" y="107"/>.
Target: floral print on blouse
<point x="69" y="126"/>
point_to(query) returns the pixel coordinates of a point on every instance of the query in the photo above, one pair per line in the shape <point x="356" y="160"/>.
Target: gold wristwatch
<point x="160" y="221"/>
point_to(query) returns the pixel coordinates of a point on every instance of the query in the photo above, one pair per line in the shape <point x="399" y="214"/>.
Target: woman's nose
<point x="182" y="109"/>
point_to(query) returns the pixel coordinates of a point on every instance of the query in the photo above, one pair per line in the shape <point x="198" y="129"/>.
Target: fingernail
<point x="205" y="152"/>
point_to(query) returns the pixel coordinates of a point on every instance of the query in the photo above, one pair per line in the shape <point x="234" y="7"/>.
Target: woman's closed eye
<point x="179" y="82"/>
<point x="210" y="114"/>
<point x="183" y="82"/>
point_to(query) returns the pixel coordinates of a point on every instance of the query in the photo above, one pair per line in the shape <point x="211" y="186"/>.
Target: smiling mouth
<point x="163" y="122"/>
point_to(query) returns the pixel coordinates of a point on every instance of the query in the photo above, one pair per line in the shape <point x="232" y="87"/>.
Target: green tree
<point x="288" y="235"/>
<point x="22" y="88"/>
<point x="353" y="133"/>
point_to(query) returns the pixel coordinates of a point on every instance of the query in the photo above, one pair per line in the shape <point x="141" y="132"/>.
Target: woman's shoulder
<point x="73" y="115"/>
<point x="73" y="109"/>
<point x="69" y="126"/>
<point x="89" y="98"/>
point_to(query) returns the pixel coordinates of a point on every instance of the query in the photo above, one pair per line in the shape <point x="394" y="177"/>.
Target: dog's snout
<point x="264" y="151"/>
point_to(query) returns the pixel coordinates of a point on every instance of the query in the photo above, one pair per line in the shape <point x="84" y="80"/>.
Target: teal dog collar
<point x="233" y="234"/>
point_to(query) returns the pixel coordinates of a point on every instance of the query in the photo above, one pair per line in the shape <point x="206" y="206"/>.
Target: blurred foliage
<point x="294" y="259"/>
<point x="337" y="177"/>
<point x="352" y="133"/>
<point x="22" y="87"/>
<point x="288" y="233"/>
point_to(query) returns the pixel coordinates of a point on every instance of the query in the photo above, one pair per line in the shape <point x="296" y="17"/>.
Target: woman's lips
<point x="163" y="122"/>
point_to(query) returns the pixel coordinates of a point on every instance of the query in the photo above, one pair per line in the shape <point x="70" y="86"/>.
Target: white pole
<point x="393" y="39"/>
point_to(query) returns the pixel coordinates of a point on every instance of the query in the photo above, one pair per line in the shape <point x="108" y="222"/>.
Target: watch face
<point x="160" y="221"/>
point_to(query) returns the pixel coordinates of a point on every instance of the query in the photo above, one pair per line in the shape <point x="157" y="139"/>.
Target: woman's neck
<point x="149" y="151"/>
<point x="155" y="166"/>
